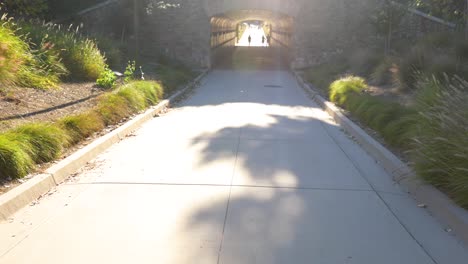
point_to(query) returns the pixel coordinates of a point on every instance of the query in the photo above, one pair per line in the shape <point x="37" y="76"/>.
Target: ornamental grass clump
<point x="441" y="143"/>
<point x="47" y="140"/>
<point x="341" y="90"/>
<point x="15" y="158"/>
<point x="82" y="126"/>
<point x="80" y="55"/>
<point x="13" y="53"/>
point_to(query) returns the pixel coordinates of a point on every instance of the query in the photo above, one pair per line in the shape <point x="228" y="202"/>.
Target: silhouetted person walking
<point x="263" y="40"/>
<point x="250" y="39"/>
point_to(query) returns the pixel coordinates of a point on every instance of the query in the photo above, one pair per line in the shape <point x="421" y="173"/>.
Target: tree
<point x="25" y="8"/>
<point x="451" y="10"/>
<point x="386" y="19"/>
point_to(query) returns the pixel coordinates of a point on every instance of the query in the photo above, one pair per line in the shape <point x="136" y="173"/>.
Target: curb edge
<point x="438" y="204"/>
<point x="22" y="195"/>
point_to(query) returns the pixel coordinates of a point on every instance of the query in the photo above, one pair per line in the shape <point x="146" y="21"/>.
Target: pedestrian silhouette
<point x="250" y="39"/>
<point x="263" y="40"/>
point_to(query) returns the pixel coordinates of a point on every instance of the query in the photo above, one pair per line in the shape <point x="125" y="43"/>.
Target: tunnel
<point x="251" y="39"/>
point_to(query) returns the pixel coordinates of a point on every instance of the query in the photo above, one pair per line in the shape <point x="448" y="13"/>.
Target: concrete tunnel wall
<point x="190" y="31"/>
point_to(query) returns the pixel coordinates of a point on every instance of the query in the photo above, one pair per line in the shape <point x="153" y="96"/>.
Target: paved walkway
<point x="248" y="170"/>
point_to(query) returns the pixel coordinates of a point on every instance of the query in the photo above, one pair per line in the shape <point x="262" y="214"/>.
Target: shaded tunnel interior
<point x="270" y="48"/>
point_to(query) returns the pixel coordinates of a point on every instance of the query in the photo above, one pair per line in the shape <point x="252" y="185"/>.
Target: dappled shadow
<point x="295" y="197"/>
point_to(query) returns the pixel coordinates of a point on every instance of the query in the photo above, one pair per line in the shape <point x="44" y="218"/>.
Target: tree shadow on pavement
<point x="295" y="197"/>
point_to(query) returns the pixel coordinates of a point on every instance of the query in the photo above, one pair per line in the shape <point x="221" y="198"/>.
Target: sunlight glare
<point x="256" y="32"/>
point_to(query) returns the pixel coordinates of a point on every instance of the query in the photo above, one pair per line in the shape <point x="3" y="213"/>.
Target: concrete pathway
<point x="248" y="170"/>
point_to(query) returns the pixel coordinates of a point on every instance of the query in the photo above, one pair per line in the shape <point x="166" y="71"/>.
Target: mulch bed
<point x="22" y="105"/>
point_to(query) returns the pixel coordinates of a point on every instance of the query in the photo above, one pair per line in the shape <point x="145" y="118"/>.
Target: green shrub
<point x="129" y="71"/>
<point x="394" y="122"/>
<point x="15" y="161"/>
<point x="342" y="88"/>
<point x="81" y="126"/>
<point x="107" y="79"/>
<point x="47" y="140"/>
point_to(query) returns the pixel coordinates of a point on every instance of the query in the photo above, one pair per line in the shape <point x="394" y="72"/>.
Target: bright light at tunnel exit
<point x="256" y="33"/>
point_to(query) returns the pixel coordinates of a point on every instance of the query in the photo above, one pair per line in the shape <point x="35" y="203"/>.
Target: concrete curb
<point x="438" y="204"/>
<point x="31" y="190"/>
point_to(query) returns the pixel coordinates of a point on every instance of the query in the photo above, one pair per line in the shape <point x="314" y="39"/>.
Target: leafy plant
<point x="129" y="71"/>
<point x="25" y="7"/>
<point x="107" y="79"/>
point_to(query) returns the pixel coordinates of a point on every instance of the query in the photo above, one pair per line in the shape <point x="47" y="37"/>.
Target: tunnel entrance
<point x="253" y="34"/>
<point x="251" y="40"/>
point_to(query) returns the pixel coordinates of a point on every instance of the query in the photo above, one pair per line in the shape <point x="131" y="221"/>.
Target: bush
<point x="441" y="142"/>
<point x="107" y="79"/>
<point x="81" y="126"/>
<point x="129" y="71"/>
<point x="394" y="122"/>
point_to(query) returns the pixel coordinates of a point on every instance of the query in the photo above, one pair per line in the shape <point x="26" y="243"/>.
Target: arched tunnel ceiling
<point x="233" y="17"/>
<point x="286" y="7"/>
<point x="263" y="15"/>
